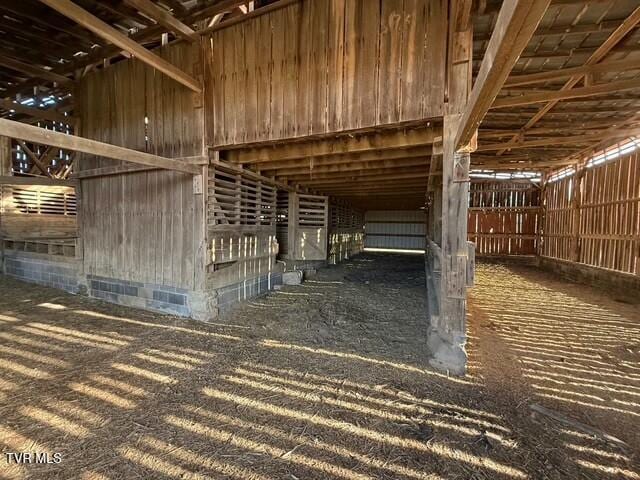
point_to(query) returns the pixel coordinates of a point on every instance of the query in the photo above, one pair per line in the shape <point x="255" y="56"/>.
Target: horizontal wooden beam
<point x="46" y="181"/>
<point x="566" y="94"/>
<point x="164" y="18"/>
<point x="348" y="158"/>
<point x="342" y="145"/>
<point x="553" y="141"/>
<point x="42" y="136"/>
<point x="412" y="176"/>
<point x="37" y="113"/>
<point x="354" y="175"/>
<point x="106" y="31"/>
<point x="32" y="70"/>
<point x="516" y="22"/>
<point x="528" y="79"/>
<point x="341" y="168"/>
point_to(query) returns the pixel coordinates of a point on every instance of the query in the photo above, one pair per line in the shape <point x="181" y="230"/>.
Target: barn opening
<point x="346" y="239"/>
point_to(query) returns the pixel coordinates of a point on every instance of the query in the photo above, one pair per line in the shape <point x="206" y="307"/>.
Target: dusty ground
<point x="323" y="380"/>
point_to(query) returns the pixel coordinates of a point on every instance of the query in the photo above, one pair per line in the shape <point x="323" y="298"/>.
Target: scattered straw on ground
<point x="323" y="380"/>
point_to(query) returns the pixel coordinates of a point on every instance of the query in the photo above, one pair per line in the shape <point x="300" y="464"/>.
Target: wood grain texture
<point x="145" y="226"/>
<point x="324" y="66"/>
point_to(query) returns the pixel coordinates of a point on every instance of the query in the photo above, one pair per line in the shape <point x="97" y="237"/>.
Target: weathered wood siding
<point x="146" y="226"/>
<point x="504" y="217"/>
<point x="321" y="66"/>
<point x="593" y="217"/>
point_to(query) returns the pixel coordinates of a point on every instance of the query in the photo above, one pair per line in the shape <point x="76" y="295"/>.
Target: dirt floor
<point x="323" y="380"/>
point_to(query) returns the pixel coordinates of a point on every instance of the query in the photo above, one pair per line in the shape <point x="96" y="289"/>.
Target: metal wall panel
<point x="401" y="230"/>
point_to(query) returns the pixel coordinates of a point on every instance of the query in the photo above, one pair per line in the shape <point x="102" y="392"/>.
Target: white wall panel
<point x="403" y="230"/>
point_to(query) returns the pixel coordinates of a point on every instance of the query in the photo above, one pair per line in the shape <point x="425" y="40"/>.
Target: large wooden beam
<point x="100" y="28"/>
<point x="29" y="133"/>
<point x="13" y="180"/>
<point x="164" y="18"/>
<point x="517" y="21"/>
<point x="385" y="173"/>
<point x="35" y="159"/>
<point x="348" y="158"/>
<point x="343" y="145"/>
<point x="338" y="168"/>
<point x="541" y="77"/>
<point x="37" y="113"/>
<point x="582" y="92"/>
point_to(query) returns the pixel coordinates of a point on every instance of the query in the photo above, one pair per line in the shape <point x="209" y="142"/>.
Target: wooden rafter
<point x="32" y="70"/>
<point x="516" y="23"/>
<point x="102" y="29"/>
<point x="601" y="52"/>
<point x="582" y="92"/>
<point x="164" y="18"/>
<point x="528" y="79"/>
<point x="37" y="112"/>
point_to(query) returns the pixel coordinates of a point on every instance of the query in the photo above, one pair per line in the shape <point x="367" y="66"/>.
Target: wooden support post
<point x="292" y="224"/>
<point x="447" y="250"/>
<point x="576" y="201"/>
<point x="6" y="160"/>
<point x="447" y="333"/>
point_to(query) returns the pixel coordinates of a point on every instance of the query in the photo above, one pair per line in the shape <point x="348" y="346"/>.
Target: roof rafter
<point x="97" y="26"/>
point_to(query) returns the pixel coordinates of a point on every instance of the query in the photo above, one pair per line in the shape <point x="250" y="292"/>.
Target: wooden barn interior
<point x="287" y="239"/>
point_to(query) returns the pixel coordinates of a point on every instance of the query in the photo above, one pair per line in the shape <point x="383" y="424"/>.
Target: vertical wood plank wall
<point x="607" y="213"/>
<point x="146" y="226"/>
<point x="504" y="217"/>
<point x="321" y="66"/>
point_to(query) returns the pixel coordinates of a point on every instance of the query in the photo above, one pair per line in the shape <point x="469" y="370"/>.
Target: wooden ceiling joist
<point x="341" y="168"/>
<point x="363" y="143"/>
<point x="164" y="18"/>
<point x="581" y="92"/>
<point x="41" y="136"/>
<point x="348" y="158"/>
<point x="389" y="173"/>
<point x="517" y="21"/>
<point x="619" y="66"/>
<point x="102" y="29"/>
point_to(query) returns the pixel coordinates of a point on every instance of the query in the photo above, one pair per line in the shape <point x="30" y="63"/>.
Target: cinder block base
<point x="158" y="298"/>
<point x="48" y="270"/>
<point x="233" y="294"/>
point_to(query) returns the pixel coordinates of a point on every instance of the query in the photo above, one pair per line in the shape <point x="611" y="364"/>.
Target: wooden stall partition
<point x="241" y="226"/>
<point x="323" y="66"/>
<point x="346" y="231"/>
<point x="37" y="212"/>
<point x="140" y="224"/>
<point x="308" y="227"/>
<point x="504" y="217"/>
